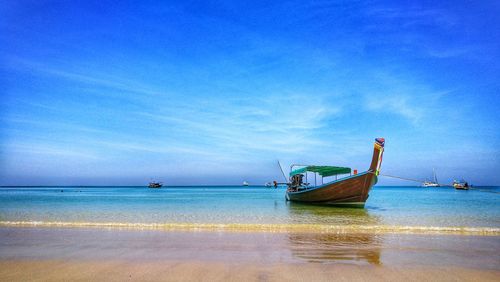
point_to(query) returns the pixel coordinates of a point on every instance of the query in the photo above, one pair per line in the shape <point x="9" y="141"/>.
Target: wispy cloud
<point x="403" y="97"/>
<point x="398" y="104"/>
<point x="47" y="125"/>
<point x="274" y="124"/>
<point x="411" y="16"/>
<point x="27" y="149"/>
<point x="82" y="76"/>
<point x="449" y="52"/>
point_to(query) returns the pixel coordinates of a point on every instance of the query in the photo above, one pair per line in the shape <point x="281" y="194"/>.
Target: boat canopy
<point x="322" y="170"/>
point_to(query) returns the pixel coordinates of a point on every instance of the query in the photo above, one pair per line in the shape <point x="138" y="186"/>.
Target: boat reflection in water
<point x="301" y="213"/>
<point x="341" y="248"/>
<point x="332" y="247"/>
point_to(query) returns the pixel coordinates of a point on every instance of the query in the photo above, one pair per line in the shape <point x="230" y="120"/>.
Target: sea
<point x="394" y="209"/>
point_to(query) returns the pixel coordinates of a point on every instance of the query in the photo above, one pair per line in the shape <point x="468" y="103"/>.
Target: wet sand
<point x="83" y="254"/>
<point x="217" y="271"/>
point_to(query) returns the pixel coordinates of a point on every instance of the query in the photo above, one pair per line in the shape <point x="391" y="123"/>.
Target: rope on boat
<point x="403" y="178"/>
<point x="420" y="181"/>
<point x="482" y="190"/>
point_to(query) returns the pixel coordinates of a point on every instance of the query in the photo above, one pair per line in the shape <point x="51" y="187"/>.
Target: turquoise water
<point x="386" y="206"/>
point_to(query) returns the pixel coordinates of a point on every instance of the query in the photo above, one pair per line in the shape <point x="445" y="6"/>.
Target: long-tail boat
<point x="155" y="185"/>
<point x="351" y="190"/>
<point x="461" y="185"/>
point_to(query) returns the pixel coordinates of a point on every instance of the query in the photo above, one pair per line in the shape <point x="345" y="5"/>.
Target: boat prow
<point x="351" y="191"/>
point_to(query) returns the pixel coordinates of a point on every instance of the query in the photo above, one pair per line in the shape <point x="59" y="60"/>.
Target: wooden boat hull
<point x="352" y="191"/>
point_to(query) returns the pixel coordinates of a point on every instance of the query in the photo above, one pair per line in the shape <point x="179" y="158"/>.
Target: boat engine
<point x="296" y="181"/>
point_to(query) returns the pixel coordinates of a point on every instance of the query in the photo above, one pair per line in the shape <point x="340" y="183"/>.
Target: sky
<point x="215" y="92"/>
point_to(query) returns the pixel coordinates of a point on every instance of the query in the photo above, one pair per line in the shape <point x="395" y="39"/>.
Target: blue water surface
<point x="402" y="206"/>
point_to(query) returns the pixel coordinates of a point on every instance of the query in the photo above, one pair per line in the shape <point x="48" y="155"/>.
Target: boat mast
<point x="279" y="164"/>
<point x="435" y="178"/>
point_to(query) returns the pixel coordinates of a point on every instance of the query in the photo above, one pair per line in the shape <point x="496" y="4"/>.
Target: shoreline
<point x="267" y="228"/>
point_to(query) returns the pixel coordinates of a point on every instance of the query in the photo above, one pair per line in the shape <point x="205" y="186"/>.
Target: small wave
<point x="274" y="228"/>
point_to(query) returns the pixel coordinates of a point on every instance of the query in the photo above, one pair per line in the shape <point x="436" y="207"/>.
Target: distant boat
<point x="155" y="185"/>
<point x="461" y="185"/>
<point x="268" y="184"/>
<point x="431" y="183"/>
<point x="245" y="183"/>
<point x="351" y="190"/>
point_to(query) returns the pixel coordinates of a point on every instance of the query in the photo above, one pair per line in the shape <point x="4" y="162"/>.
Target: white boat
<point x="245" y="183"/>
<point x="434" y="183"/>
<point x="429" y="184"/>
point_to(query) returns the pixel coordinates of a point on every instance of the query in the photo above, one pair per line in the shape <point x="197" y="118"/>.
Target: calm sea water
<point x="386" y="206"/>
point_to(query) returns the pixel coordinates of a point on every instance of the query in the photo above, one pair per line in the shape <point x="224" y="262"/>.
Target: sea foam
<point x="284" y="228"/>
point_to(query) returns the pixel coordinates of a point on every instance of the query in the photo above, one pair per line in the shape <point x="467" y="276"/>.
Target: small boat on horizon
<point x="155" y="184"/>
<point x="461" y="185"/>
<point x="351" y="190"/>
<point x="245" y="183"/>
<point x="434" y="183"/>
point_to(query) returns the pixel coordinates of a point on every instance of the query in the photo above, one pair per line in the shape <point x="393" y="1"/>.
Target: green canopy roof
<point x="322" y="170"/>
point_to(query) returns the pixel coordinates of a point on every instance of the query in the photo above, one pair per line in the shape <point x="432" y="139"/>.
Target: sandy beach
<point x="53" y="270"/>
<point x="95" y="254"/>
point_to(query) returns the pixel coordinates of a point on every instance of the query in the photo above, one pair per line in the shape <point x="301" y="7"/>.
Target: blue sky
<point x="116" y="93"/>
